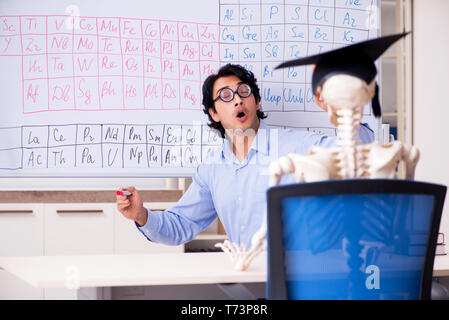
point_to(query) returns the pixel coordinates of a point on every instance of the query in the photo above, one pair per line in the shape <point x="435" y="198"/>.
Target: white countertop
<point x="131" y="270"/>
<point x="144" y="269"/>
<point x="441" y="266"/>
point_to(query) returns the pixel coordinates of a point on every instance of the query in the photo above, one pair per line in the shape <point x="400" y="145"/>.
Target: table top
<point x="144" y="269"/>
<point x="441" y="266"/>
<point x="132" y="270"/>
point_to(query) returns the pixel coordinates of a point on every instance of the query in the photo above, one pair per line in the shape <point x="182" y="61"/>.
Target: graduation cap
<point x="356" y="60"/>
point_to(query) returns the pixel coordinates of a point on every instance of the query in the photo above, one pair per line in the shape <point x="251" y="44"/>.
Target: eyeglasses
<point x="227" y="95"/>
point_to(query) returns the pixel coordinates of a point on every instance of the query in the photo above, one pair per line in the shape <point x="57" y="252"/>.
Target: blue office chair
<point x="353" y="239"/>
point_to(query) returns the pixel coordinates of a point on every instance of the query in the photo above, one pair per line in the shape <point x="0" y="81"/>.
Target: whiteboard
<point x="112" y="89"/>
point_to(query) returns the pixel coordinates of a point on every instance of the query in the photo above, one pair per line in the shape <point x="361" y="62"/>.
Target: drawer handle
<point x="16" y="211"/>
<point x="78" y="211"/>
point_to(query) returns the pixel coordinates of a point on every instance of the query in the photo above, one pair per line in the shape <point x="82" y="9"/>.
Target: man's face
<point x="239" y="113"/>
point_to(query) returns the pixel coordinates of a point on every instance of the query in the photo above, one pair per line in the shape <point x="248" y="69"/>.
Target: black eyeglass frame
<point x="234" y="92"/>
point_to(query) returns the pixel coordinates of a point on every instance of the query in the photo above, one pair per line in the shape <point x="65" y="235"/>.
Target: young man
<point x="232" y="183"/>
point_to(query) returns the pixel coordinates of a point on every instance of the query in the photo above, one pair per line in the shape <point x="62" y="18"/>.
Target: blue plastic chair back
<point x="353" y="239"/>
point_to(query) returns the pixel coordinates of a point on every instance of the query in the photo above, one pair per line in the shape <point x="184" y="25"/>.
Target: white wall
<point x="431" y="93"/>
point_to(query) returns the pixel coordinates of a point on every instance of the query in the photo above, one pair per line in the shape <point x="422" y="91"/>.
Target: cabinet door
<point x="21" y="234"/>
<point x="128" y="240"/>
<point x="78" y="228"/>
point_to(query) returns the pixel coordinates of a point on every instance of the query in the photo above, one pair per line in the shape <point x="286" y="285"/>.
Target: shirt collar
<point x="259" y="144"/>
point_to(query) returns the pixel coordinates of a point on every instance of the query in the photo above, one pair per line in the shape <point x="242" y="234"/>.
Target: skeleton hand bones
<point x="238" y="254"/>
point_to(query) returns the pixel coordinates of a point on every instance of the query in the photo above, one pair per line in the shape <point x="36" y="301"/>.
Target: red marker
<point x="123" y="193"/>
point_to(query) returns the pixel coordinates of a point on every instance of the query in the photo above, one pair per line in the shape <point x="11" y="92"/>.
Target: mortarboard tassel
<point x="375" y="105"/>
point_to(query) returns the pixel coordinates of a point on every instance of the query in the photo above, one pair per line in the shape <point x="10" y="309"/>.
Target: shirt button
<point x="242" y="228"/>
<point x="239" y="199"/>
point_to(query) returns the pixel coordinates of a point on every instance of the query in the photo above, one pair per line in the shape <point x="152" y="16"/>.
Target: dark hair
<point x="240" y="72"/>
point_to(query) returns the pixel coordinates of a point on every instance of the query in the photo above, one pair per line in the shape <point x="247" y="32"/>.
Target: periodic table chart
<point x="107" y="89"/>
<point x="262" y="34"/>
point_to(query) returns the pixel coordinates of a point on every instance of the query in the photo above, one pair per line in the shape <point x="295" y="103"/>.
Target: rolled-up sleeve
<point x="182" y="222"/>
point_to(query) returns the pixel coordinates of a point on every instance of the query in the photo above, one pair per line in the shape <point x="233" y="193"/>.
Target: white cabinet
<point x="128" y="239"/>
<point x="79" y="228"/>
<point x="21" y="234"/>
<point x="67" y="229"/>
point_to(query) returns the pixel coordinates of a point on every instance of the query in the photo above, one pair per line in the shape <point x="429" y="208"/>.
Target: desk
<point x="131" y="270"/>
<point x="441" y="266"/>
<point x="144" y="270"/>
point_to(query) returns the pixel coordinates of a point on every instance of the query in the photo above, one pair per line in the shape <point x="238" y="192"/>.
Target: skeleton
<point x="348" y="95"/>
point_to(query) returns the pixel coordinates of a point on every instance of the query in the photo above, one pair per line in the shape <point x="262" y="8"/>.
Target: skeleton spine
<point x="348" y="122"/>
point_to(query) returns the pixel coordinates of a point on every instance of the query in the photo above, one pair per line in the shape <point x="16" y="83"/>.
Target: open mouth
<point x="241" y="116"/>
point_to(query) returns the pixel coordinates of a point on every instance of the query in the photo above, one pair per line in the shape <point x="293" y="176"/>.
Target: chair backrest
<point x="353" y="239"/>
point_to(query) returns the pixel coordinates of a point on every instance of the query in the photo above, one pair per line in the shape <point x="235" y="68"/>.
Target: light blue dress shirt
<point x="232" y="190"/>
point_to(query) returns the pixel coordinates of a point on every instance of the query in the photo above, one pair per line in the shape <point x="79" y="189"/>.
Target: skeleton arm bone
<point x="312" y="167"/>
<point x="280" y="167"/>
<point x="410" y="155"/>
